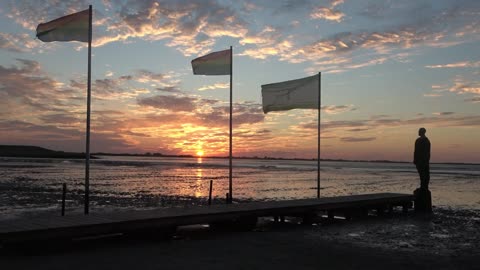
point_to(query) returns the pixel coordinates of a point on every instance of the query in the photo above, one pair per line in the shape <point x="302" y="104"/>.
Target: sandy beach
<point x="447" y="240"/>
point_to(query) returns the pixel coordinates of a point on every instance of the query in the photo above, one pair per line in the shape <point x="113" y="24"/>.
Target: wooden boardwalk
<point x="77" y="226"/>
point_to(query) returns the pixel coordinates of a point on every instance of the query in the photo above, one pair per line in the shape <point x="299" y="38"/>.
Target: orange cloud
<point x="464" y="64"/>
<point x="432" y="95"/>
<point x="462" y="86"/>
<point x="327" y="14"/>
<point x="17" y="43"/>
<point x="214" y="86"/>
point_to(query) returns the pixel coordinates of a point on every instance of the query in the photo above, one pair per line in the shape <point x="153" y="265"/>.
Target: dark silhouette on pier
<point x="421" y="158"/>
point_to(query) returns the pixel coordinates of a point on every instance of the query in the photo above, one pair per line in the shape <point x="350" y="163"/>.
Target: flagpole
<point x="318" y="152"/>
<point x="89" y="79"/>
<point x="230" y="190"/>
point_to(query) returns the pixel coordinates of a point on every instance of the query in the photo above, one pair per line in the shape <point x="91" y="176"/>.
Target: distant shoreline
<point x="26" y="151"/>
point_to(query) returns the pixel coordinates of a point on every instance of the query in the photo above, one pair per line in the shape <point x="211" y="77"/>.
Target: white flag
<point x="295" y="94"/>
<point x="215" y="63"/>
<point x="73" y="27"/>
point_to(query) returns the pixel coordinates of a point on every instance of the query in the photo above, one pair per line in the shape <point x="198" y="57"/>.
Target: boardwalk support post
<point x="309" y="218"/>
<point x="210" y="193"/>
<point x="64" y="194"/>
<point x="423" y="200"/>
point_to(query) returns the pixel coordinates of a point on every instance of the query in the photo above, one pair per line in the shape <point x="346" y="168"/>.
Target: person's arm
<point x="415" y="153"/>
<point x="428" y="150"/>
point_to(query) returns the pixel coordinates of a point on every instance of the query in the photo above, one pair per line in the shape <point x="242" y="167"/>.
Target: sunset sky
<point x="388" y="68"/>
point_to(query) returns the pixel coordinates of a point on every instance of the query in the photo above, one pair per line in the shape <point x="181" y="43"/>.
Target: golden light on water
<point x="199" y="190"/>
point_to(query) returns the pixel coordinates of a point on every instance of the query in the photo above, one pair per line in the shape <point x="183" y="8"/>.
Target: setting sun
<point x="200" y="153"/>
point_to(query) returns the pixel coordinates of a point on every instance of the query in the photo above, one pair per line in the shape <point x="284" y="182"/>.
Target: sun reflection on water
<point x="199" y="192"/>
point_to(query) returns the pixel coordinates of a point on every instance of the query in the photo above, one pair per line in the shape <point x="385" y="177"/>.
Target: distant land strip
<point x="29" y="151"/>
<point x="36" y="152"/>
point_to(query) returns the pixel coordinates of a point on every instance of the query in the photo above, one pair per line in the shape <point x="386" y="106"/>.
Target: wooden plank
<point x="80" y="225"/>
<point x="322" y="204"/>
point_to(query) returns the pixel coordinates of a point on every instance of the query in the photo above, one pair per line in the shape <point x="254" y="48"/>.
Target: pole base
<point x="423" y="200"/>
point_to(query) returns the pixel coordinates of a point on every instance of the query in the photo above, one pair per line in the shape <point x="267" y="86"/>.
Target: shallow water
<point x="30" y="186"/>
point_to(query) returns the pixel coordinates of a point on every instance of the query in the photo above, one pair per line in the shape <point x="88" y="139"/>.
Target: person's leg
<point x="422" y="171"/>
<point x="427" y="175"/>
<point x="419" y="170"/>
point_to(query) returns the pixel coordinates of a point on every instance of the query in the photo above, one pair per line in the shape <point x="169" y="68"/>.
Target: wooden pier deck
<point x="77" y="226"/>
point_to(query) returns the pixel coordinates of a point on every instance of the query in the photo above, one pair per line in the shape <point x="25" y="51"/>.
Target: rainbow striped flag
<point x="73" y="27"/>
<point x="215" y="63"/>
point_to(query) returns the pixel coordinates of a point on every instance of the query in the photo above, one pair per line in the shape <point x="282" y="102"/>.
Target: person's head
<point x="422" y="131"/>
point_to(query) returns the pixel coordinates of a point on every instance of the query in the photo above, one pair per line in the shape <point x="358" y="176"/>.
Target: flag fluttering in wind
<point x="215" y="63"/>
<point x="295" y="94"/>
<point x="73" y="27"/>
<point x="219" y="63"/>
<point x="304" y="93"/>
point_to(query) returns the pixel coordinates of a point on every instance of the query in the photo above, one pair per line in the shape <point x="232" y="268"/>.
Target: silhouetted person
<point x="421" y="158"/>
